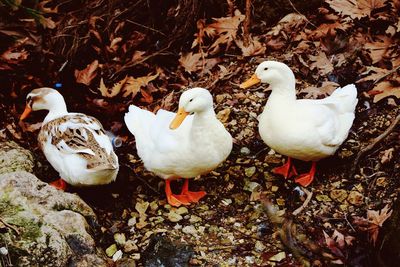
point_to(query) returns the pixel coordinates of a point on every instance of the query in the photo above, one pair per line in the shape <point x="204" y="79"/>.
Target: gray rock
<point x="14" y="158"/>
<point x="49" y="227"/>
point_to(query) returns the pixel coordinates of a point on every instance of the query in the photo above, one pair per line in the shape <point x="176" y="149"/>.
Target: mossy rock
<point x="13" y="158"/>
<point x="45" y="226"/>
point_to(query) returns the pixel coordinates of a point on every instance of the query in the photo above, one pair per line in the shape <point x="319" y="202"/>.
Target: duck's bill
<point x="179" y="118"/>
<point x="25" y="113"/>
<point x="250" y="82"/>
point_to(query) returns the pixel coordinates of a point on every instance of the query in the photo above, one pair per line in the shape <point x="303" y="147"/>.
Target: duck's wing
<point x="334" y="115"/>
<point x="83" y="136"/>
<point x="152" y="133"/>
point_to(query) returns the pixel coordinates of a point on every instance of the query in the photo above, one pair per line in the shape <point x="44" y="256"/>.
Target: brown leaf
<point x="384" y="89"/>
<point x="324" y="90"/>
<point x="46" y="22"/>
<point x="321" y="63"/>
<point x="86" y="75"/>
<point x="377" y="49"/>
<point x="111" y="92"/>
<point x="133" y="85"/>
<point x="372" y="74"/>
<point x="379" y="217"/>
<point x="387" y="155"/>
<point x="254" y="48"/>
<point x="12" y="56"/>
<point x="193" y="62"/>
<point x="287" y="24"/>
<point x="225" y="29"/>
<point x="356" y="9"/>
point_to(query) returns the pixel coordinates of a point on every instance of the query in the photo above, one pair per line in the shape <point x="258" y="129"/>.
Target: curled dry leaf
<point x="12" y="56"/>
<point x="86" y="75"/>
<point x="287" y="24"/>
<point x="372" y="74"/>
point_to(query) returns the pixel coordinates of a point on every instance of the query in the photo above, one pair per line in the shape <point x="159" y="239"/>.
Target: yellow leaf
<point x="133" y="85"/>
<point x="111" y="92"/>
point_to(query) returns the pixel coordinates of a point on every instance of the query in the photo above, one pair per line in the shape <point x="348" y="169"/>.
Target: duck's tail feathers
<point x="346" y="98"/>
<point x="138" y="120"/>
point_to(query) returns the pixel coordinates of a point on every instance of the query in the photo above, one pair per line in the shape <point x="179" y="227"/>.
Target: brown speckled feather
<point x="75" y="133"/>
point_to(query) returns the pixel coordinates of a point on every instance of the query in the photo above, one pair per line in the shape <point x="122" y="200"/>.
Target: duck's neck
<point x="56" y="110"/>
<point x="202" y="121"/>
<point x="283" y="90"/>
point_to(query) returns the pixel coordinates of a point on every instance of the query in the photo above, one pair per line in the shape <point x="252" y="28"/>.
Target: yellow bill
<point x="250" y="82"/>
<point x="177" y="121"/>
<point x="25" y="113"/>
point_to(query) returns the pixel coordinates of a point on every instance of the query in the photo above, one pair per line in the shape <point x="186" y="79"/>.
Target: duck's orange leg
<point x="193" y="197"/>
<point x="307" y="178"/>
<point x="175" y="200"/>
<point x="60" y="184"/>
<point x="286" y="170"/>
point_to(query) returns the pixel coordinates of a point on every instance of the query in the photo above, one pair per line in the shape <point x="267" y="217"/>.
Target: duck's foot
<point x="193" y="197"/>
<point x="307" y="178"/>
<point x="60" y="184"/>
<point x="175" y="200"/>
<point x="286" y="170"/>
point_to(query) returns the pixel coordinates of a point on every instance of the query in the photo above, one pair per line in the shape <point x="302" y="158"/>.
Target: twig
<point x="305" y="203"/>
<point x="295" y="9"/>
<point x="374" y="142"/>
<point x="9" y="226"/>
<point x="146" y="27"/>
<point x="142" y="180"/>
<point x="387" y="74"/>
<point x="246" y="24"/>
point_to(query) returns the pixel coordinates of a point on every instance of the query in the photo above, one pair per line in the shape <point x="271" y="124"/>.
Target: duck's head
<point x="42" y="99"/>
<point x="271" y="72"/>
<point x="194" y="100"/>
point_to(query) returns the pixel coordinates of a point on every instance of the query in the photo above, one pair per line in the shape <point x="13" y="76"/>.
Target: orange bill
<point x="250" y="82"/>
<point x="177" y="121"/>
<point x="25" y="113"/>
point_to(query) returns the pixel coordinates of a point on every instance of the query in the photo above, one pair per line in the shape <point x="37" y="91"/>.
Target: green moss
<point x="29" y="229"/>
<point x="6" y="208"/>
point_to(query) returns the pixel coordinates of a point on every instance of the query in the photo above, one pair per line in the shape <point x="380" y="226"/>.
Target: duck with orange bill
<point x="303" y="129"/>
<point x="75" y="144"/>
<point x="184" y="145"/>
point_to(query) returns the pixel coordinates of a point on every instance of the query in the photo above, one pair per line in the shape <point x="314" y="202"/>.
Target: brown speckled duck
<point x="75" y="144"/>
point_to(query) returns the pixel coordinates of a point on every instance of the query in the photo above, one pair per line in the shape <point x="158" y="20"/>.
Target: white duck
<point x="75" y="144"/>
<point x="181" y="145"/>
<point x="303" y="129"/>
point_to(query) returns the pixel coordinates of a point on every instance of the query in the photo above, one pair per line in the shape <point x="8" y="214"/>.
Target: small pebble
<point x="117" y="255"/>
<point x="245" y="151"/>
<point x="120" y="238"/>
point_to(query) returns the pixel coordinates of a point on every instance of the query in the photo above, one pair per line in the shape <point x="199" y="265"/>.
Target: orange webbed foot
<point x="307" y="178"/>
<point x="60" y="184"/>
<point x="286" y="170"/>
<point x="175" y="200"/>
<point x="193" y="197"/>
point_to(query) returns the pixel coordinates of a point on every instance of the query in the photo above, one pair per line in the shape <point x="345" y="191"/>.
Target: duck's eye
<point x="265" y="69"/>
<point x="191" y="100"/>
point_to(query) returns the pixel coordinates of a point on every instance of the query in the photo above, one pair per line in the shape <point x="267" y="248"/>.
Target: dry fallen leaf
<point x="325" y="89"/>
<point x="86" y="75"/>
<point x="12" y="56"/>
<point x="387" y="155"/>
<point x="194" y="62"/>
<point x="225" y="29"/>
<point x="378" y="48"/>
<point x="373" y="222"/>
<point x="384" y="89"/>
<point x="372" y="74"/>
<point x="133" y="85"/>
<point x="287" y="24"/>
<point x="356" y="9"/>
<point x="253" y="49"/>
<point x="111" y="92"/>
<point x="321" y="63"/>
